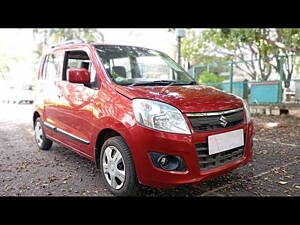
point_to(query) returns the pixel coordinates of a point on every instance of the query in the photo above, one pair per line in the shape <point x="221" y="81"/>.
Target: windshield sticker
<point x="120" y="79"/>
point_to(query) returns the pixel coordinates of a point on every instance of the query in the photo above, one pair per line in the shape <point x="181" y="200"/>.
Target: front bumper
<point x="145" y="140"/>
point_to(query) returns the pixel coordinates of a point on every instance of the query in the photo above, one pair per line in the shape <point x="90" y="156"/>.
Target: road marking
<point x="240" y="181"/>
<point x="274" y="142"/>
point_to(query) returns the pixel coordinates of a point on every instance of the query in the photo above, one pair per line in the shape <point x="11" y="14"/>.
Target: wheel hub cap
<point x="38" y="133"/>
<point x="113" y="167"/>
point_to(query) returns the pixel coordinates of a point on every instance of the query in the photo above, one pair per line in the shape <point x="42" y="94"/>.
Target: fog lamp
<point x="167" y="162"/>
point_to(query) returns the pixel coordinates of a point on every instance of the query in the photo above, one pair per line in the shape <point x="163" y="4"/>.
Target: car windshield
<point x="135" y="66"/>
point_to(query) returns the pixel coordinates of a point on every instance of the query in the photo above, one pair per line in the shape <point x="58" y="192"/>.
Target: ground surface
<point x="27" y="171"/>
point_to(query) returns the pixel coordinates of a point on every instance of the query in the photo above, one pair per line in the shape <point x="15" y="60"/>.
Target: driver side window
<point x="80" y="59"/>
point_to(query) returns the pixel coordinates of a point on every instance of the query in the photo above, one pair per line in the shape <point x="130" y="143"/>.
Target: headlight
<point x="159" y="116"/>
<point x="247" y="109"/>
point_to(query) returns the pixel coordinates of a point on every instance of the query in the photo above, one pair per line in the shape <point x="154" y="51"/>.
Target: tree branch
<point x="282" y="46"/>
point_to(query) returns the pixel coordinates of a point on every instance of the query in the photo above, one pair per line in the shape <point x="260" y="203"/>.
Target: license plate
<point x="225" y="141"/>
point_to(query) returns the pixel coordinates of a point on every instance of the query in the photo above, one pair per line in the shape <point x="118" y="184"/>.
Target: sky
<point x="20" y="43"/>
<point x="158" y="39"/>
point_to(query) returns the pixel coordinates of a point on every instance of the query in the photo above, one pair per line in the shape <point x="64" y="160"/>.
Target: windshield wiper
<point x="156" y="82"/>
<point x="163" y="82"/>
<point x="183" y="83"/>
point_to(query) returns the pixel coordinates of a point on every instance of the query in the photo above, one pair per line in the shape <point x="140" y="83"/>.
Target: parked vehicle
<point x="13" y="93"/>
<point x="139" y="116"/>
<point x="24" y="94"/>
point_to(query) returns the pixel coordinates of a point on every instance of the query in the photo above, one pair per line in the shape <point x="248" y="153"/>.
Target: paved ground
<point x="27" y="171"/>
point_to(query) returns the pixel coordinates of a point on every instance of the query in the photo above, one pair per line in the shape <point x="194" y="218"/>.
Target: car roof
<point x="80" y="45"/>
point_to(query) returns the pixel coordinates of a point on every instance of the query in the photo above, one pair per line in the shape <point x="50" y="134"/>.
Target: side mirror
<point x="79" y="76"/>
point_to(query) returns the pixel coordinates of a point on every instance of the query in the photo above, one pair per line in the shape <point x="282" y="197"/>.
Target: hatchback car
<point x="139" y="116"/>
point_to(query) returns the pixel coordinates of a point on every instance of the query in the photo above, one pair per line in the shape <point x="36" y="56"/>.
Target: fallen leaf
<point x="282" y="182"/>
<point x="297" y="186"/>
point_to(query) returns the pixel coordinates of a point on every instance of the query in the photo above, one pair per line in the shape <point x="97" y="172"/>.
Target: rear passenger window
<point x="53" y="67"/>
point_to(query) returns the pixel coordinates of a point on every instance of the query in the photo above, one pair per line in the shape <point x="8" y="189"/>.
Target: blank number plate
<point x="225" y="141"/>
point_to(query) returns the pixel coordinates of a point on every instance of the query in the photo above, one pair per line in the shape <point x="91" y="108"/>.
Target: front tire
<point x="42" y="142"/>
<point x="117" y="167"/>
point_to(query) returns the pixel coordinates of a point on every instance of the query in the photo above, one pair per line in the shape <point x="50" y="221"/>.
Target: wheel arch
<point x="35" y="116"/>
<point x="101" y="138"/>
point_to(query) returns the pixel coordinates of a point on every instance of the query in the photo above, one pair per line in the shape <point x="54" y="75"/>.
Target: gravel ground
<point x="27" y="171"/>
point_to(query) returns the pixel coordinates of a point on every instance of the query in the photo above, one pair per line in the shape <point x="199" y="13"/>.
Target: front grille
<point x="207" y="161"/>
<point x="206" y="122"/>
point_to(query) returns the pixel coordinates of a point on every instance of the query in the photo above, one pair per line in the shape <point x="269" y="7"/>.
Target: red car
<point x="139" y="116"/>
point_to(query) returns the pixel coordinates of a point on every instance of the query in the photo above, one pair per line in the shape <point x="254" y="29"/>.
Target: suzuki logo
<point x="223" y="121"/>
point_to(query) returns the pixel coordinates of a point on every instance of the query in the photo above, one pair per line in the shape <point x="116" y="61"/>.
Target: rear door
<point x="49" y="89"/>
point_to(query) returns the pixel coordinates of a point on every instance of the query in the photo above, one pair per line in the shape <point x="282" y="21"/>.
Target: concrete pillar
<point x="268" y="111"/>
<point x="275" y="111"/>
<point x="261" y="110"/>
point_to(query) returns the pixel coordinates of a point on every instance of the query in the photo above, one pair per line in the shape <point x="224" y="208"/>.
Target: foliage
<point x="286" y="39"/>
<point x="44" y="37"/>
<point x="195" y="51"/>
<point x="87" y="35"/>
<point x="251" y="46"/>
<point x="207" y="77"/>
<point x="243" y="45"/>
<point x="6" y="60"/>
<point x="4" y="68"/>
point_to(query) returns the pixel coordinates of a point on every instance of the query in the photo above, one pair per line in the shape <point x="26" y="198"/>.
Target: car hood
<point x="188" y="98"/>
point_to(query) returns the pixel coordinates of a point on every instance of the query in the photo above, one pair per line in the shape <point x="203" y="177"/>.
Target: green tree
<point x="207" y="77"/>
<point x="254" y="47"/>
<point x="286" y="42"/>
<point x="5" y="61"/>
<point x="45" y="37"/>
<point x="196" y="51"/>
<point x="287" y="39"/>
<point x="4" y="69"/>
<point x="211" y="79"/>
<point x="243" y="45"/>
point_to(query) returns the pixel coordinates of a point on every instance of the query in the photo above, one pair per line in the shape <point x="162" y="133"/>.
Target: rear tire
<point x="117" y="168"/>
<point x="42" y="142"/>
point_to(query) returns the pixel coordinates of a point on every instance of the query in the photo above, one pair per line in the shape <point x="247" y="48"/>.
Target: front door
<point x="76" y="126"/>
